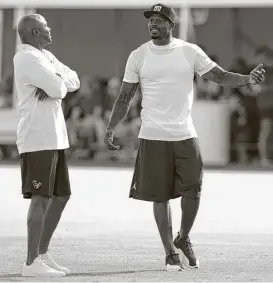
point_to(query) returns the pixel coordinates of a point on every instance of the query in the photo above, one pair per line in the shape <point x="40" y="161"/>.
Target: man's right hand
<point x="108" y="140"/>
<point x="59" y="75"/>
<point x="40" y="94"/>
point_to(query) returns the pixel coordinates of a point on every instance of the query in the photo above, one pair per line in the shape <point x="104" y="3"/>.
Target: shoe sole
<point x="64" y="270"/>
<point x="43" y="275"/>
<point x="185" y="261"/>
<point x="173" y="268"/>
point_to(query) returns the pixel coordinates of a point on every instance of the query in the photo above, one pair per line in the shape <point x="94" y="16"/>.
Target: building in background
<point x="96" y="42"/>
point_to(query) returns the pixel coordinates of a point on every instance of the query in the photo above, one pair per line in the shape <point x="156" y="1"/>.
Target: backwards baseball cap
<point x="166" y="11"/>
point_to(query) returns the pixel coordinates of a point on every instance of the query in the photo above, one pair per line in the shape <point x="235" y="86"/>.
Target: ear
<point x="35" y="32"/>
<point x="172" y="25"/>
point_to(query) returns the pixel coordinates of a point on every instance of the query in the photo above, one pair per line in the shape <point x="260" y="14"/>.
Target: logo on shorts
<point x="36" y="184"/>
<point x="157" y="8"/>
<point x="134" y="187"/>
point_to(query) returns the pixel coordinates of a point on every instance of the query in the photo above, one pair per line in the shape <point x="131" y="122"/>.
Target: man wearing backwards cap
<point x="169" y="164"/>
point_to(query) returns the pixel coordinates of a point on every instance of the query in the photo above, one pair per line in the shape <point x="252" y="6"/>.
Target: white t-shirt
<point x="165" y="74"/>
<point x="41" y="123"/>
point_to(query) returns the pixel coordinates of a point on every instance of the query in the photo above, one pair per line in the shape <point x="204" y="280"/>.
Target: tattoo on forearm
<point x="224" y="78"/>
<point x="122" y="104"/>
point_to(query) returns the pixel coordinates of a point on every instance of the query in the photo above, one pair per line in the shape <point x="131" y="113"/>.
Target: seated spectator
<point x="6" y="93"/>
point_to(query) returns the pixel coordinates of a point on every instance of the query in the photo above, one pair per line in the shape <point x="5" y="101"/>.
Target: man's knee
<point x="37" y="209"/>
<point x="39" y="202"/>
<point x="161" y="203"/>
<point x="161" y="207"/>
<point x="266" y="127"/>
<point x="193" y="191"/>
<point x="60" y="200"/>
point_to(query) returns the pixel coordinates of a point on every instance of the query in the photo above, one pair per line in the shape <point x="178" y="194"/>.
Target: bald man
<point x="42" y="81"/>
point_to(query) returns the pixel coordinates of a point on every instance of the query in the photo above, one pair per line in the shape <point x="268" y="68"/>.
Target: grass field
<point x="104" y="236"/>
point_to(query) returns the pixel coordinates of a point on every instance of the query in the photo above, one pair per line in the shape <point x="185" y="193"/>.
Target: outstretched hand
<point x="109" y="141"/>
<point x="257" y="75"/>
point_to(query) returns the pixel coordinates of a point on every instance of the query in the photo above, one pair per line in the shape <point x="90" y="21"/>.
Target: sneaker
<point x="39" y="269"/>
<point x="48" y="259"/>
<point x="173" y="262"/>
<point x="188" y="258"/>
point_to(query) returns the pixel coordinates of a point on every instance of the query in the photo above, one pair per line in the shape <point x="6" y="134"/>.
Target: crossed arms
<point x="47" y="83"/>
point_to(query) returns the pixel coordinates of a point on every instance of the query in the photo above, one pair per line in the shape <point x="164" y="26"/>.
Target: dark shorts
<point x="45" y="173"/>
<point x="166" y="170"/>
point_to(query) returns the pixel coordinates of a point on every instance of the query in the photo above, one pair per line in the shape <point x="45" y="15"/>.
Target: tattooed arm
<point x="229" y="79"/>
<point x="120" y="110"/>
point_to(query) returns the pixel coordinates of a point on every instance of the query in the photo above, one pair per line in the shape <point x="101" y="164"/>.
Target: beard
<point x="161" y="34"/>
<point x="155" y="36"/>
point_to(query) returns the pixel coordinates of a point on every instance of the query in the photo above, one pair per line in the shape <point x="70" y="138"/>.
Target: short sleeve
<point x="131" y="74"/>
<point x="202" y="63"/>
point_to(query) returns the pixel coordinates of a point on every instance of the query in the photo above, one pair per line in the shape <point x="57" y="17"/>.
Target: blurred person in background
<point x="238" y="130"/>
<point x="84" y="98"/>
<point x="113" y="87"/>
<point x="6" y="91"/>
<point x="265" y="105"/>
<point x="91" y="133"/>
<point x="6" y="102"/>
<point x="246" y="117"/>
<point x="87" y="127"/>
<point x="169" y="163"/>
<point x="42" y="81"/>
<point x="73" y="123"/>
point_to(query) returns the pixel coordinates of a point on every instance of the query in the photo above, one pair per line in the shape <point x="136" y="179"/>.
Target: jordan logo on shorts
<point x="134" y="187"/>
<point x="36" y="184"/>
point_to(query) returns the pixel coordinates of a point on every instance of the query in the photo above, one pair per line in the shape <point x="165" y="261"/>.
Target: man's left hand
<point x="257" y="75"/>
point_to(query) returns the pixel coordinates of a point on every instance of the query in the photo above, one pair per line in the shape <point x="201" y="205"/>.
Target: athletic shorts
<point x="167" y="170"/>
<point x="45" y="173"/>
